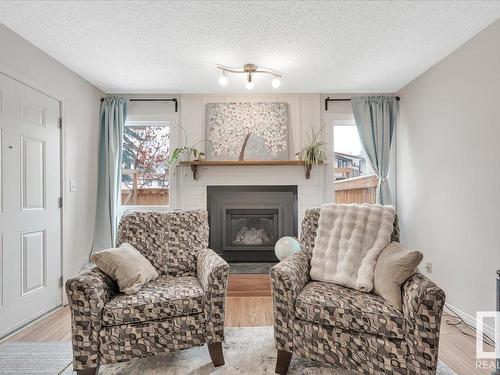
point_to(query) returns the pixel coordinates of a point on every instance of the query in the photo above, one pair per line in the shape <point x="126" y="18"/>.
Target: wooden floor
<point x="249" y="304"/>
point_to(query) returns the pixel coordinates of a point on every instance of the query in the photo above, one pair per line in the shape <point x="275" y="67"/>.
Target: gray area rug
<point x="247" y="351"/>
<point x="34" y="358"/>
<point x="250" y="268"/>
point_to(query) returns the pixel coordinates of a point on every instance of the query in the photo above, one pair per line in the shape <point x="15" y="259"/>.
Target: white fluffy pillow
<point x="349" y="239"/>
<point x="127" y="266"/>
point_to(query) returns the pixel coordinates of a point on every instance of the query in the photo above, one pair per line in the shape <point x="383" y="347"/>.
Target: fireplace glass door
<point x="250" y="228"/>
<point x="246" y="221"/>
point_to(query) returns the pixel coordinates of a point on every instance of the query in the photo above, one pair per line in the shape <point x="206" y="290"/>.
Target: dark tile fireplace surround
<point x="246" y="221"/>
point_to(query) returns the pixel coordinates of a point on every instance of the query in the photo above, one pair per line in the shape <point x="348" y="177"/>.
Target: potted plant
<point x="186" y="152"/>
<point x="314" y="153"/>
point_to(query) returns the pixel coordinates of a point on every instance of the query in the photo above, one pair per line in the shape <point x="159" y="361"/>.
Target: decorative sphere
<point x="285" y="247"/>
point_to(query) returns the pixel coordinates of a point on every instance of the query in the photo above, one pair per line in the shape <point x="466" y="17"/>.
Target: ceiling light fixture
<point x="223" y="79"/>
<point x="276" y="82"/>
<point x="249" y="83"/>
<point x="249" y="70"/>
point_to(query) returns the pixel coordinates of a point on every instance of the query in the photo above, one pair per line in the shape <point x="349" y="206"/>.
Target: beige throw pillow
<point x="127" y="266"/>
<point x="394" y="266"/>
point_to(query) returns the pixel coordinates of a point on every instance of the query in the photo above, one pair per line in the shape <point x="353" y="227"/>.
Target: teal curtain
<point x="112" y="121"/>
<point x="376" y="118"/>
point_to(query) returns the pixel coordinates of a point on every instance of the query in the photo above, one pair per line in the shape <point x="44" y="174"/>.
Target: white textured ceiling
<point x="173" y="46"/>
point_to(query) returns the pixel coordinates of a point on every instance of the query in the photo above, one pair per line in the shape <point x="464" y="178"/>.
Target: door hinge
<point x="61" y="281"/>
<point x="60" y="122"/>
<point x="60" y="202"/>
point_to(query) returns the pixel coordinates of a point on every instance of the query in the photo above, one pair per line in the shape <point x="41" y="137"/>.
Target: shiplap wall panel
<point x="193" y="193"/>
<point x="304" y="113"/>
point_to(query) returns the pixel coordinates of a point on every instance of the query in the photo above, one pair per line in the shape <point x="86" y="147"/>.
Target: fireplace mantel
<point x="191" y="194"/>
<point x="202" y="163"/>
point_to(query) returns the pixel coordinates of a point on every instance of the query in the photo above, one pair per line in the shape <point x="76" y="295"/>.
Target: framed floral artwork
<point x="247" y="131"/>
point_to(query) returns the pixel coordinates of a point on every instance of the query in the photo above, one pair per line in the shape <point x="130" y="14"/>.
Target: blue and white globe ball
<point x="285" y="247"/>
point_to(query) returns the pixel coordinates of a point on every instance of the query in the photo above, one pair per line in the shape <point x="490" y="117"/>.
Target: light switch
<point x="72" y="185"/>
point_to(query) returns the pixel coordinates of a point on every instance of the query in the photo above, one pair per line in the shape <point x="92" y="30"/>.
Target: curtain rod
<point x="328" y="99"/>
<point x="174" y="100"/>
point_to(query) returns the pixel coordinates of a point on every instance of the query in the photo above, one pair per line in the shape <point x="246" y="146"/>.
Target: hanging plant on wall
<point x="315" y="152"/>
<point x="186" y="152"/>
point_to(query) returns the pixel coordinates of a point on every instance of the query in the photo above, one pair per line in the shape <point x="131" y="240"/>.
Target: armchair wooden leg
<point x="215" y="350"/>
<point x="282" y="362"/>
<point x="88" y="371"/>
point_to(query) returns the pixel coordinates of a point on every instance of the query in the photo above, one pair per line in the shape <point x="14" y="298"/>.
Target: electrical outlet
<point x="428" y="267"/>
<point x="72" y="185"/>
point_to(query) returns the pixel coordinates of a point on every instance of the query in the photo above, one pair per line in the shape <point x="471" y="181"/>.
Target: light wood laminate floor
<point x="249" y="304"/>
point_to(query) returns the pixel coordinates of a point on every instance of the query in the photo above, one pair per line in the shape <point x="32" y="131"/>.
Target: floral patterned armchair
<point x="182" y="308"/>
<point x="360" y="331"/>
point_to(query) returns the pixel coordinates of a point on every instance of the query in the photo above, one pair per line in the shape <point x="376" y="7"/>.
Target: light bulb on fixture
<point x="249" y="70"/>
<point x="223" y="79"/>
<point x="249" y="84"/>
<point x="276" y="82"/>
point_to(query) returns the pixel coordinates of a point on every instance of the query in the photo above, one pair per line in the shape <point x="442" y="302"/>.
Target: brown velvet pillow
<point x="394" y="266"/>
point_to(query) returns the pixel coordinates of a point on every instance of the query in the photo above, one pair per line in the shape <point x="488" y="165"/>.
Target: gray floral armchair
<point x="360" y="331"/>
<point x="182" y="308"/>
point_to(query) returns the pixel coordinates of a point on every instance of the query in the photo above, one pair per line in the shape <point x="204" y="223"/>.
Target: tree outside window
<point x="145" y="165"/>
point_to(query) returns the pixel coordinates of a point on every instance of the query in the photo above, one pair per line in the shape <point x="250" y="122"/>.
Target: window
<point x="145" y="171"/>
<point x="354" y="179"/>
<point x="341" y="163"/>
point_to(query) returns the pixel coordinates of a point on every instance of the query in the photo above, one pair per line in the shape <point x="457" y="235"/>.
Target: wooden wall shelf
<point x="235" y="163"/>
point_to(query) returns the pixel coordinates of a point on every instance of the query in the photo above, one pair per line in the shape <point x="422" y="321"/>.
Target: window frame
<point x="145" y="123"/>
<point x="347" y="119"/>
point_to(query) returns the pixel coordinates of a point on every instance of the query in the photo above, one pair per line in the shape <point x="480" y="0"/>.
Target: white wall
<point x="81" y="122"/>
<point x="192" y="194"/>
<point x="448" y="174"/>
<point x="304" y="113"/>
<point x="152" y="111"/>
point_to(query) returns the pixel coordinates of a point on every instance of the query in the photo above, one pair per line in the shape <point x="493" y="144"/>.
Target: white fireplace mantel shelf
<point x="194" y="164"/>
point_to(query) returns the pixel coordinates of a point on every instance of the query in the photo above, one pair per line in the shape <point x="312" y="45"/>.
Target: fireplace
<point x="250" y="228"/>
<point x="246" y="221"/>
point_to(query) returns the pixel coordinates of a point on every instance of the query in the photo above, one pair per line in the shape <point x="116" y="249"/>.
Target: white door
<point x="30" y="220"/>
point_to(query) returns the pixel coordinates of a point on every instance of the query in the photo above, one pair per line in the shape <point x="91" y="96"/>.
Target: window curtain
<point x="376" y="118"/>
<point x="112" y="122"/>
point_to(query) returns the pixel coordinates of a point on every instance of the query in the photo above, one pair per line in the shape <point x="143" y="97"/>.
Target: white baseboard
<point x="490" y="331"/>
